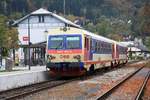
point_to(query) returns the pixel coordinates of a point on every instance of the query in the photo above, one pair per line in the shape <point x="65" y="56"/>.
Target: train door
<point x="86" y="48"/>
<point x="91" y="49"/>
<point x="113" y="51"/>
<point x="117" y="52"/>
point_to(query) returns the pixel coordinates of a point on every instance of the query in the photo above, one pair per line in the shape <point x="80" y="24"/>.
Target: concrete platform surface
<point x="21" y="70"/>
<point x="23" y="77"/>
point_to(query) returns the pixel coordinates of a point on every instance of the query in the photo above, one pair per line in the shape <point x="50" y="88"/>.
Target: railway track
<point x="26" y="90"/>
<point x="141" y="90"/>
<point x="115" y="91"/>
<point x="34" y="88"/>
<point x="146" y="92"/>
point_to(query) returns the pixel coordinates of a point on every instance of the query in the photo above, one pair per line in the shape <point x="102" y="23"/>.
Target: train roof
<point x="102" y="38"/>
<point x="83" y="31"/>
<point x="99" y="37"/>
<point x="121" y="44"/>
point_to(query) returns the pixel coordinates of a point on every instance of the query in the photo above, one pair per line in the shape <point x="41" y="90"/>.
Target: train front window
<point x="56" y="42"/>
<point x="73" y="42"/>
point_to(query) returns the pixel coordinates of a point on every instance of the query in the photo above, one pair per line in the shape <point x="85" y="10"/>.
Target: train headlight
<point x="78" y="57"/>
<point x="47" y="58"/>
<point x="50" y="57"/>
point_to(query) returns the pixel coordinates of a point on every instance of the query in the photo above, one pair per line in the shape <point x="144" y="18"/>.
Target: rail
<point x="107" y="93"/>
<point x="139" y="95"/>
<point x="26" y="90"/>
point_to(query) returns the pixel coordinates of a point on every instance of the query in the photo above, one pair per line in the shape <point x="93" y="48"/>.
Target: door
<point x="113" y="51"/>
<point x="86" y="48"/>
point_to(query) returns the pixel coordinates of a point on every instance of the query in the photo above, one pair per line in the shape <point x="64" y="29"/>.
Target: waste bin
<point x="9" y="64"/>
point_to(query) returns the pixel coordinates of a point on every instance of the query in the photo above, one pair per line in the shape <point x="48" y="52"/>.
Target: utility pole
<point x="64" y="8"/>
<point x="0" y="56"/>
<point x="29" y="41"/>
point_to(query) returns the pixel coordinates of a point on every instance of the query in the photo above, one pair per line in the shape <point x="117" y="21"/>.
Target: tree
<point x="90" y="26"/>
<point x="144" y="18"/>
<point x="147" y="42"/>
<point x="3" y="29"/>
<point x="8" y="36"/>
<point x="15" y="16"/>
<point x="103" y="26"/>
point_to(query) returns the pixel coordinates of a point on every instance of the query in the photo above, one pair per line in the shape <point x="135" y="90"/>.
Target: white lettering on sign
<point x="25" y="38"/>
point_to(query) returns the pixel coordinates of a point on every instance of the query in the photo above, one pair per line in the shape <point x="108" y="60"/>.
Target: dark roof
<point x="45" y="12"/>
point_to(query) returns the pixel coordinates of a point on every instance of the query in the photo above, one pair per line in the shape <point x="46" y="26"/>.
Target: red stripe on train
<point x="65" y="51"/>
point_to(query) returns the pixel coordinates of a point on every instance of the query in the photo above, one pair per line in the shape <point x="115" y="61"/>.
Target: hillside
<point x="116" y="19"/>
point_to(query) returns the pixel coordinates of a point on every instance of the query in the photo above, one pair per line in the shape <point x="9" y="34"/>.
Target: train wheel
<point x="92" y="69"/>
<point x="112" y="65"/>
<point x="84" y="76"/>
<point x="115" y="64"/>
<point x="126" y="61"/>
<point x="118" y="62"/>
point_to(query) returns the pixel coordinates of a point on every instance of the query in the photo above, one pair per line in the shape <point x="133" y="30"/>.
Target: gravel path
<point x="129" y="89"/>
<point x="86" y="89"/>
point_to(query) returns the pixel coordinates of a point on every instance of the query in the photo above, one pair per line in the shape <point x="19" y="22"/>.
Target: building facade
<point x="33" y="28"/>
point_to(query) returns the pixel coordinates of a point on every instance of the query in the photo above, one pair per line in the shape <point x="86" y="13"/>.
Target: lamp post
<point x="64" y="7"/>
<point x="46" y="32"/>
<point x="0" y="56"/>
<point x="29" y="41"/>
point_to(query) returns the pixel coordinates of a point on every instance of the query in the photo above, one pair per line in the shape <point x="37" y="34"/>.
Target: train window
<point x="104" y="49"/>
<point x="110" y="48"/>
<point x="100" y="48"/>
<point x="56" y="42"/>
<point x="102" y="45"/>
<point x="73" y="42"/>
<point x="99" y="45"/>
<point x="95" y="45"/>
<point x="91" y="44"/>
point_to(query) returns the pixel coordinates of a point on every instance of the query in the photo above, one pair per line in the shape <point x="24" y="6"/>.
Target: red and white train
<point x="73" y="52"/>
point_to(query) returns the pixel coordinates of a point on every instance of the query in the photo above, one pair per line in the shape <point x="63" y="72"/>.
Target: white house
<point x="36" y="25"/>
<point x="136" y="48"/>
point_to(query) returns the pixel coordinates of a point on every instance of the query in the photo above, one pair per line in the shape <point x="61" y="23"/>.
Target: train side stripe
<point x="100" y="62"/>
<point x="64" y="51"/>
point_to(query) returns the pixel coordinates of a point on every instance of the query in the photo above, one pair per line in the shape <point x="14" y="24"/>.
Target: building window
<point x="41" y="19"/>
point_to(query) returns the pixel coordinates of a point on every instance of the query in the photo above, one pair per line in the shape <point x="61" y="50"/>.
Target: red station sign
<point x="25" y="38"/>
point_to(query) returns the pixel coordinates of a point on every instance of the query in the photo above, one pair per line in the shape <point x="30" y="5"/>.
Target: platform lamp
<point x="0" y="56"/>
<point x="29" y="40"/>
<point x="45" y="33"/>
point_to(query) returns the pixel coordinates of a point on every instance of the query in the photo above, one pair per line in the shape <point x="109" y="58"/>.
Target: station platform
<point x="22" y="76"/>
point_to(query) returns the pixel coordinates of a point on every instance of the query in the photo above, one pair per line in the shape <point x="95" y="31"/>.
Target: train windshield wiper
<point x="59" y="45"/>
<point x="70" y="46"/>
